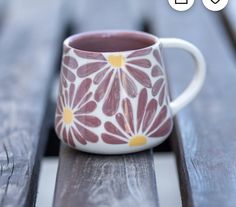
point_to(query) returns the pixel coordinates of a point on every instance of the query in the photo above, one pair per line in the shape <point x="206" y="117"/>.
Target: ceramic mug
<point x="113" y="93"/>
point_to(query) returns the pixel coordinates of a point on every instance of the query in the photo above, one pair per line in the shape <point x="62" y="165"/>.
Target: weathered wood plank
<point x="3" y="10"/>
<point x="30" y="40"/>
<point x="105" y="14"/>
<point x="206" y="129"/>
<point x="92" y="180"/>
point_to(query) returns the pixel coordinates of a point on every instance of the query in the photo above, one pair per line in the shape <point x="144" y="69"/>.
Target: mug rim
<point x="71" y="38"/>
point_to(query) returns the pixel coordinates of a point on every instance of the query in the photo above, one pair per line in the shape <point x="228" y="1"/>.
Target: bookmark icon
<point x="181" y="1"/>
<point x="181" y="5"/>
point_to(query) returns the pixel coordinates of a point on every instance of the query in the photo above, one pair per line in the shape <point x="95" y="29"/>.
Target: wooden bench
<point x="31" y="35"/>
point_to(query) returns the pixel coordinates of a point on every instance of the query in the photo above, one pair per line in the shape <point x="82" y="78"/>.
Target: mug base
<point x="106" y="149"/>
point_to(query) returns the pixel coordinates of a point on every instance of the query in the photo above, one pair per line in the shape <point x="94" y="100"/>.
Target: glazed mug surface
<point x="113" y="93"/>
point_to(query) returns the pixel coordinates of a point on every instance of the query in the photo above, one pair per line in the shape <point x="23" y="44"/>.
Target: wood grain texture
<point x="29" y="44"/>
<point x="105" y="14"/>
<point x="3" y="10"/>
<point x="93" y="180"/>
<point x="206" y="140"/>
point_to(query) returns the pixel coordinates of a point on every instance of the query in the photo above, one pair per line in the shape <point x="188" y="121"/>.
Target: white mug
<point x="113" y="96"/>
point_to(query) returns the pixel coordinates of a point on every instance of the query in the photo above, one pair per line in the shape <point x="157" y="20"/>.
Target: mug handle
<point x="197" y="82"/>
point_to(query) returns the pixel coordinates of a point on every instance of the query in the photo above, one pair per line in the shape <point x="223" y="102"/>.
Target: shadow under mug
<point x="113" y="93"/>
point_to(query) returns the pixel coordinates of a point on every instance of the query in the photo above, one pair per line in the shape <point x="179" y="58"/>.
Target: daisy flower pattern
<point x="113" y="93"/>
<point x="159" y="87"/>
<point x="113" y="72"/>
<point x="73" y="114"/>
<point x="150" y="120"/>
<point x="69" y="64"/>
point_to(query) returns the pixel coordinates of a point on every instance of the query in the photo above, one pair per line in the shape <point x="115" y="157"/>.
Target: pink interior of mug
<point x="111" y="41"/>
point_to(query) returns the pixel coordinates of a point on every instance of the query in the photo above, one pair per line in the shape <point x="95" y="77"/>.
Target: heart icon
<point x="215" y="1"/>
<point x="215" y="5"/>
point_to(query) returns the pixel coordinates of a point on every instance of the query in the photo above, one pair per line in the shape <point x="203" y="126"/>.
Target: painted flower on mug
<point x="159" y="86"/>
<point x="113" y="71"/>
<point x="73" y="114"/>
<point x="157" y="69"/>
<point x="134" y="128"/>
<point x="69" y="65"/>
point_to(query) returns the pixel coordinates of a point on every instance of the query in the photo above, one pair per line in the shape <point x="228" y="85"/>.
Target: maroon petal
<point x="68" y="74"/>
<point x="128" y="112"/>
<point x="65" y="49"/>
<point x="71" y="93"/>
<point x="102" y="88"/>
<point x="157" y="56"/>
<point x="90" y="68"/>
<point x="123" y="124"/>
<point x="150" y="114"/>
<point x="58" y="108"/>
<point x="162" y="95"/>
<point x="70" y="62"/>
<point x="85" y="99"/>
<point x="58" y="127"/>
<point x="70" y="139"/>
<point x="159" y="119"/>
<point x="140" y="76"/>
<point x="164" y="130"/>
<point x="63" y="82"/>
<point x="128" y="84"/>
<point x="59" y="104"/>
<point x="87" y="108"/>
<point x="140" y="53"/>
<point x="99" y="76"/>
<point x="142" y="101"/>
<point x="157" y="86"/>
<point x="78" y="137"/>
<point x="82" y="90"/>
<point x="57" y="119"/>
<point x="87" y="134"/>
<point x="66" y="98"/>
<point x="90" y="55"/>
<point x="144" y="63"/>
<point x="90" y="121"/>
<point x="112" y="100"/>
<point x="64" y="135"/>
<point x="109" y="139"/>
<point x="63" y="100"/>
<point x="156" y="71"/>
<point x="113" y="129"/>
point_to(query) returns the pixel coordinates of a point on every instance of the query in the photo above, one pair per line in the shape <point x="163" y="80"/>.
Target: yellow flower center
<point x="68" y="115"/>
<point x="138" y="140"/>
<point x="116" y="61"/>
